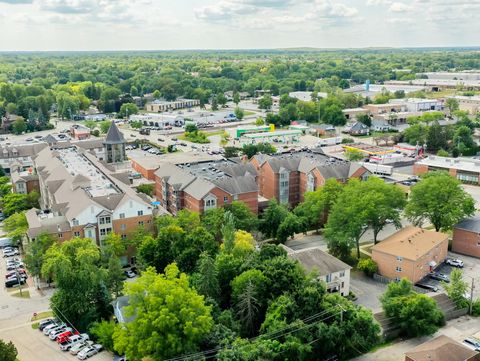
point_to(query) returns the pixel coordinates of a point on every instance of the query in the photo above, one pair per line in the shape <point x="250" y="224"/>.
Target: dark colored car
<point x="13" y="282"/>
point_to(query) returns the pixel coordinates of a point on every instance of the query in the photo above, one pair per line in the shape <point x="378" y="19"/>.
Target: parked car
<point x="455" y="262"/>
<point x="66" y="335"/>
<point x="2" y="216"/>
<point x="89" y="351"/>
<point x="53" y="335"/>
<point x="80" y="346"/>
<point x="14" y="282"/>
<point x="72" y="341"/>
<point x="47" y="322"/>
<point x="10" y="253"/>
<point x="427" y="287"/>
<point x="130" y="274"/>
<point x="60" y="327"/>
<point x="472" y="343"/>
<point x="50" y="327"/>
<point x="439" y="276"/>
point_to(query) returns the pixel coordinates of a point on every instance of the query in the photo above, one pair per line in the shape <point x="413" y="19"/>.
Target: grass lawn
<point x="247" y="113"/>
<point x="24" y="294"/>
<point x="35" y="325"/>
<point x="216" y="132"/>
<point x="382" y="134"/>
<point x="42" y="315"/>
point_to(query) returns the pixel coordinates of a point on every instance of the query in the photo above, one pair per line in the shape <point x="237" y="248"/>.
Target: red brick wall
<point x="146" y="173"/>
<point x="466" y="242"/>
<point x="250" y="199"/>
<point x="419" y="169"/>
<point x="33" y="185"/>
<point x="294" y="188"/>
<point x="269" y="182"/>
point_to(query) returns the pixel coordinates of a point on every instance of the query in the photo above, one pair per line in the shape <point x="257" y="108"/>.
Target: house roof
<point x="114" y="136"/>
<point x="442" y="348"/>
<point x="237" y="185"/>
<point x="470" y="224"/>
<point x="410" y="242"/>
<point x="314" y="259"/>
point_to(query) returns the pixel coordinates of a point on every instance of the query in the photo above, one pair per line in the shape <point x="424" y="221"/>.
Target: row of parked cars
<point x="15" y="270"/>
<point x="69" y="339"/>
<point x="440" y="276"/>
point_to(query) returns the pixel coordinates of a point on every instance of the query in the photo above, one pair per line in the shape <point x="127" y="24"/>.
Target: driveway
<point x="367" y="290"/>
<point x="457" y="329"/>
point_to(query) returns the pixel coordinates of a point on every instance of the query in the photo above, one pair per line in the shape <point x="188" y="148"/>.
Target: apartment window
<point x="60" y="235"/>
<point x="342" y="274"/>
<point x="102" y="220"/>
<point x="140" y="213"/>
<point x="123" y="227"/>
<point x="76" y="234"/>
<point x="328" y="278"/>
<point x="210" y="203"/>
<point x="124" y="236"/>
<point x="140" y="223"/>
<point x="75" y="222"/>
<point x="398" y="269"/>
<point x="108" y="220"/>
<point x="225" y="199"/>
<point x="310" y="182"/>
<point x="105" y="231"/>
<point x="399" y="258"/>
<point x="122" y="215"/>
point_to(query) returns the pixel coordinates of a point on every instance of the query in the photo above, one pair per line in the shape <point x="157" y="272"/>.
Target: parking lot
<point x="15" y="325"/>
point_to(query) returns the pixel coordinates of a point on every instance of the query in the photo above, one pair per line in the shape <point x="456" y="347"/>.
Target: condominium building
<point x="83" y="196"/>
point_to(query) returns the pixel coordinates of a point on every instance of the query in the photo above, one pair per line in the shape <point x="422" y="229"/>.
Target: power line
<point x="274" y="335"/>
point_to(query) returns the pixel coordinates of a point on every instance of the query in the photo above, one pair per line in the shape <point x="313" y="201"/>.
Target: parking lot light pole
<point x="471" y="297"/>
<point x="19" y="280"/>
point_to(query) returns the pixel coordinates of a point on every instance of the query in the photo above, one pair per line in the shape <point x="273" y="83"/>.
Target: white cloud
<point x="329" y="9"/>
<point x="378" y="2"/>
<point x="398" y="7"/>
<point x="400" y="21"/>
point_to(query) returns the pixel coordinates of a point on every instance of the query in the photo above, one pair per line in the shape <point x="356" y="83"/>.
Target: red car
<point x="65" y="335"/>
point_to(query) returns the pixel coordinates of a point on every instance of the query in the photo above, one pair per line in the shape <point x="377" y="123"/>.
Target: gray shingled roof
<point x="314" y="259"/>
<point x="114" y="136"/>
<point x="237" y="185"/>
<point x="470" y="224"/>
<point x="238" y="170"/>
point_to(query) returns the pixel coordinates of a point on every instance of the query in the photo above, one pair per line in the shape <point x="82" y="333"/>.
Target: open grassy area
<point x="23" y="294"/>
<point x="247" y="113"/>
<point x="35" y="325"/>
<point x="216" y="132"/>
<point x="42" y="315"/>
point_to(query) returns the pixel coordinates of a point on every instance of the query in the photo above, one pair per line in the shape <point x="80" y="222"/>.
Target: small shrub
<point x="368" y="266"/>
<point x="348" y="141"/>
<point x="476" y="308"/>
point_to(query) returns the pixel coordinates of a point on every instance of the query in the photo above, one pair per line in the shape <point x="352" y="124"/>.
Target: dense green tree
<point x="451" y="104"/>
<point x="251" y="149"/>
<point x="80" y="294"/>
<point x="103" y="333"/>
<point x="457" y="289"/>
<point x="127" y="109"/>
<point x="16" y="203"/>
<point x="147" y="189"/>
<point x="16" y="226"/>
<point x="165" y="326"/>
<point x="415" y="314"/>
<point x="288" y="227"/>
<point x="272" y="217"/>
<point x="439" y="199"/>
<point x="8" y="351"/>
<point x="265" y="102"/>
<point x="239" y="113"/>
<point x="35" y="254"/>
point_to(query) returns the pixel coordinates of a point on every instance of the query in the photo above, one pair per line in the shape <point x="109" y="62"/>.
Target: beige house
<point x="335" y="273"/>
<point x="410" y="253"/>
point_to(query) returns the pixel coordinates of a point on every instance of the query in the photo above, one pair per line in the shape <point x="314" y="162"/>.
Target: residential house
<point x="24" y="181"/>
<point x="466" y="237"/>
<point x="442" y="348"/>
<point x="411" y="253"/>
<point x="335" y="273"/>
<point x="358" y="128"/>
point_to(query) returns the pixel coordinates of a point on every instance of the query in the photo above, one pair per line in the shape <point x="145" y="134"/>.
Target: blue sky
<point x="235" y="24"/>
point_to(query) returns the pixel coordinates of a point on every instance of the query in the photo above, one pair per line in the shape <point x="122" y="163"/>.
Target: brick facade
<point x="466" y="242"/>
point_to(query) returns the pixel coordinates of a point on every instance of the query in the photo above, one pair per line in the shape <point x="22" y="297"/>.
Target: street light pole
<point x="471" y="297"/>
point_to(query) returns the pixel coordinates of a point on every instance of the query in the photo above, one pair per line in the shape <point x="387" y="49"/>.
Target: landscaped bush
<point x="197" y="137"/>
<point x="476" y="308"/>
<point x="368" y="266"/>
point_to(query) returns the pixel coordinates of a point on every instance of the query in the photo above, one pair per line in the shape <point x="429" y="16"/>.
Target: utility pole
<point x="471" y="296"/>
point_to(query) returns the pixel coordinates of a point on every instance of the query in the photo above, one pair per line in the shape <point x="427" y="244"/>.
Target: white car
<point x="80" y="346"/>
<point x="72" y="341"/>
<point x="53" y="335"/>
<point x="51" y="327"/>
<point x="455" y="262"/>
<point x="89" y="351"/>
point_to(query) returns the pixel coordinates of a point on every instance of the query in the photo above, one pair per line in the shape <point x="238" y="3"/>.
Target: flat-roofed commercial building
<point x="468" y="104"/>
<point x="467" y="170"/>
<point x="162" y="106"/>
<point x="411" y="253"/>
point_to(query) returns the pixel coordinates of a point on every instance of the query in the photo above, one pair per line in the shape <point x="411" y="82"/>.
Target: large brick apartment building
<point x="288" y="176"/>
<point x="199" y="186"/>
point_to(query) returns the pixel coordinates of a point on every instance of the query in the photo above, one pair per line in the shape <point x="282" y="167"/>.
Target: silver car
<point x="89" y="351"/>
<point x="80" y="346"/>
